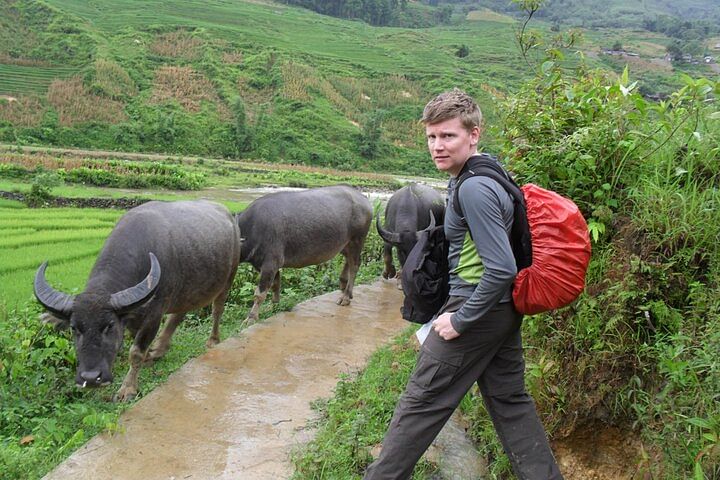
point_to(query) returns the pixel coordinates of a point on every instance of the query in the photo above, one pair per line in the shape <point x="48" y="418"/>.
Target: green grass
<point x="335" y="42"/>
<point x="18" y="79"/>
<point x="355" y="419"/>
<point x="69" y="239"/>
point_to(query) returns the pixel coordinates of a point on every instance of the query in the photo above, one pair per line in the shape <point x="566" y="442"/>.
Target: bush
<point x="41" y="188"/>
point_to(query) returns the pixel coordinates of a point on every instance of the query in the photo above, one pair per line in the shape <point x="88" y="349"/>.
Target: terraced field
<point x="68" y="238"/>
<point x="19" y="79"/>
<point x="333" y="42"/>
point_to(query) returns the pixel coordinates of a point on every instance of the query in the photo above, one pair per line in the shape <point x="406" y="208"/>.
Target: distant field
<point x="490" y="16"/>
<point x="337" y="43"/>
<point x="19" y="79"/>
<point x="68" y="238"/>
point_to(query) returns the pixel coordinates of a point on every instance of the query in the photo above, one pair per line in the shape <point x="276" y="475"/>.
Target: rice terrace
<point x="108" y="106"/>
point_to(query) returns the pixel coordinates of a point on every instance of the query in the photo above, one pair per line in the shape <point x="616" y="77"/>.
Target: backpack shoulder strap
<point x="487" y="166"/>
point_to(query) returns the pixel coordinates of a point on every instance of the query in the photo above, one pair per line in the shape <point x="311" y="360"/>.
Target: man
<point x="476" y="336"/>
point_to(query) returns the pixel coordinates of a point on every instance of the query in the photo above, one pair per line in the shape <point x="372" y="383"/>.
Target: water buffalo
<point x="161" y="257"/>
<point x="407" y="212"/>
<point x="297" y="229"/>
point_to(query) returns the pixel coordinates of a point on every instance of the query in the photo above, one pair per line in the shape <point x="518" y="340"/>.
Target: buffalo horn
<point x="429" y="227"/>
<point x="432" y="221"/>
<point x="57" y="302"/>
<point x="132" y="296"/>
<point x="390" y="237"/>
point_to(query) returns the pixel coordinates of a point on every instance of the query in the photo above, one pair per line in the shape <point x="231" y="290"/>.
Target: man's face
<point x="450" y="144"/>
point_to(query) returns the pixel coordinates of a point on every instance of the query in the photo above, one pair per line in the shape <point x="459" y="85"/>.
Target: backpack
<point x="549" y="239"/>
<point x="425" y="275"/>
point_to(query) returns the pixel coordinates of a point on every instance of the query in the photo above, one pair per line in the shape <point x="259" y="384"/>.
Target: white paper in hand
<point x="423" y="331"/>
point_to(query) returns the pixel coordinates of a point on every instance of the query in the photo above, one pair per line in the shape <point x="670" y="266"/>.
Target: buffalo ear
<point x="57" y="321"/>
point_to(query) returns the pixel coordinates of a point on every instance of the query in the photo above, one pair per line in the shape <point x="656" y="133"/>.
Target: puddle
<point x="250" y="194"/>
<point x="239" y="409"/>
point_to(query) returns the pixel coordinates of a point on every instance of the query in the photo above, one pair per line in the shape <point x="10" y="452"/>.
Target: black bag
<point x="425" y="276"/>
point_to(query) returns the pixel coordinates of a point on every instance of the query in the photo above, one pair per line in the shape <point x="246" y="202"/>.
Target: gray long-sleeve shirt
<point x="482" y="266"/>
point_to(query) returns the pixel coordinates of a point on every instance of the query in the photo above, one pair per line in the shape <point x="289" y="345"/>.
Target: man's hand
<point x="444" y="328"/>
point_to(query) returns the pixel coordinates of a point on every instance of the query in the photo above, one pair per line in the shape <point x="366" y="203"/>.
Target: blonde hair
<point x="453" y="104"/>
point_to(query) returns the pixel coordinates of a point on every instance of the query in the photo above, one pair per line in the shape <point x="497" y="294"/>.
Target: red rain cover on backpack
<point x="560" y="253"/>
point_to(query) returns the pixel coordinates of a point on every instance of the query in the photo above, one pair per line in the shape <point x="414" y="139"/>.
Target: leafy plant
<point x="41" y="188"/>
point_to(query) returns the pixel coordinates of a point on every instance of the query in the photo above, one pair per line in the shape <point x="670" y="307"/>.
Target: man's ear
<point x="60" y="323"/>
<point x="475" y="134"/>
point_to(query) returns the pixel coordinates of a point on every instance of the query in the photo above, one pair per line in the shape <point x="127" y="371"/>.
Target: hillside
<point x="615" y="13"/>
<point x="244" y="79"/>
<point x="263" y="80"/>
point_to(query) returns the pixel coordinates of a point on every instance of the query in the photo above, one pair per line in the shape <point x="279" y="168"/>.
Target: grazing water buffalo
<point x="161" y="257"/>
<point x="297" y="229"/>
<point x="407" y="212"/>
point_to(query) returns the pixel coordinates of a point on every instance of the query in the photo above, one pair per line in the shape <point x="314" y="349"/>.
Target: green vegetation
<point x="112" y="173"/>
<point x="193" y="79"/>
<point x="248" y="79"/>
<point x="615" y="13"/>
<point x="382" y="12"/>
<point x="64" y="237"/>
<point x="41" y="175"/>
<point x="19" y="79"/>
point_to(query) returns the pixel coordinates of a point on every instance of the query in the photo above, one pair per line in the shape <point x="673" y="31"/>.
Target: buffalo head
<point x="405" y="240"/>
<point x="97" y="320"/>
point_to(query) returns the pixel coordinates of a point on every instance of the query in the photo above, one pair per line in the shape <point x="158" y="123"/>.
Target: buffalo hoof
<point x="251" y="320"/>
<point x="211" y="342"/>
<point x="155" y="354"/>
<point x="344" y="300"/>
<point x="125" y="394"/>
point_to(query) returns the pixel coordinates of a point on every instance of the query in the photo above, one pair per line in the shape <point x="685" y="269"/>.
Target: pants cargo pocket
<point x="433" y="375"/>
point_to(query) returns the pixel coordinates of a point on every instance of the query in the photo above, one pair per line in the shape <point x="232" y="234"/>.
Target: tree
<point x="617" y="45"/>
<point x="675" y="50"/>
<point x="444" y="13"/>
<point x="242" y="133"/>
<point x="463" y="51"/>
<point x="370" y="139"/>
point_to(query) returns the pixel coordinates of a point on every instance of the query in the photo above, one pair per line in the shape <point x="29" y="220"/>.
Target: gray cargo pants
<point x="489" y="353"/>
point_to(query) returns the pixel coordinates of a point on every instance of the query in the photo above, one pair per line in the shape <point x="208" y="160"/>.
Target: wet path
<point x="237" y="411"/>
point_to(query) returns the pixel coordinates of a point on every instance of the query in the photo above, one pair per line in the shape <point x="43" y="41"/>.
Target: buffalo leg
<point x="347" y="277"/>
<point x="276" y="288"/>
<point x="267" y="276"/>
<point x="218" y="307"/>
<point x="162" y="342"/>
<point x="129" y="388"/>
<point x="389" y="271"/>
<point x="138" y="352"/>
